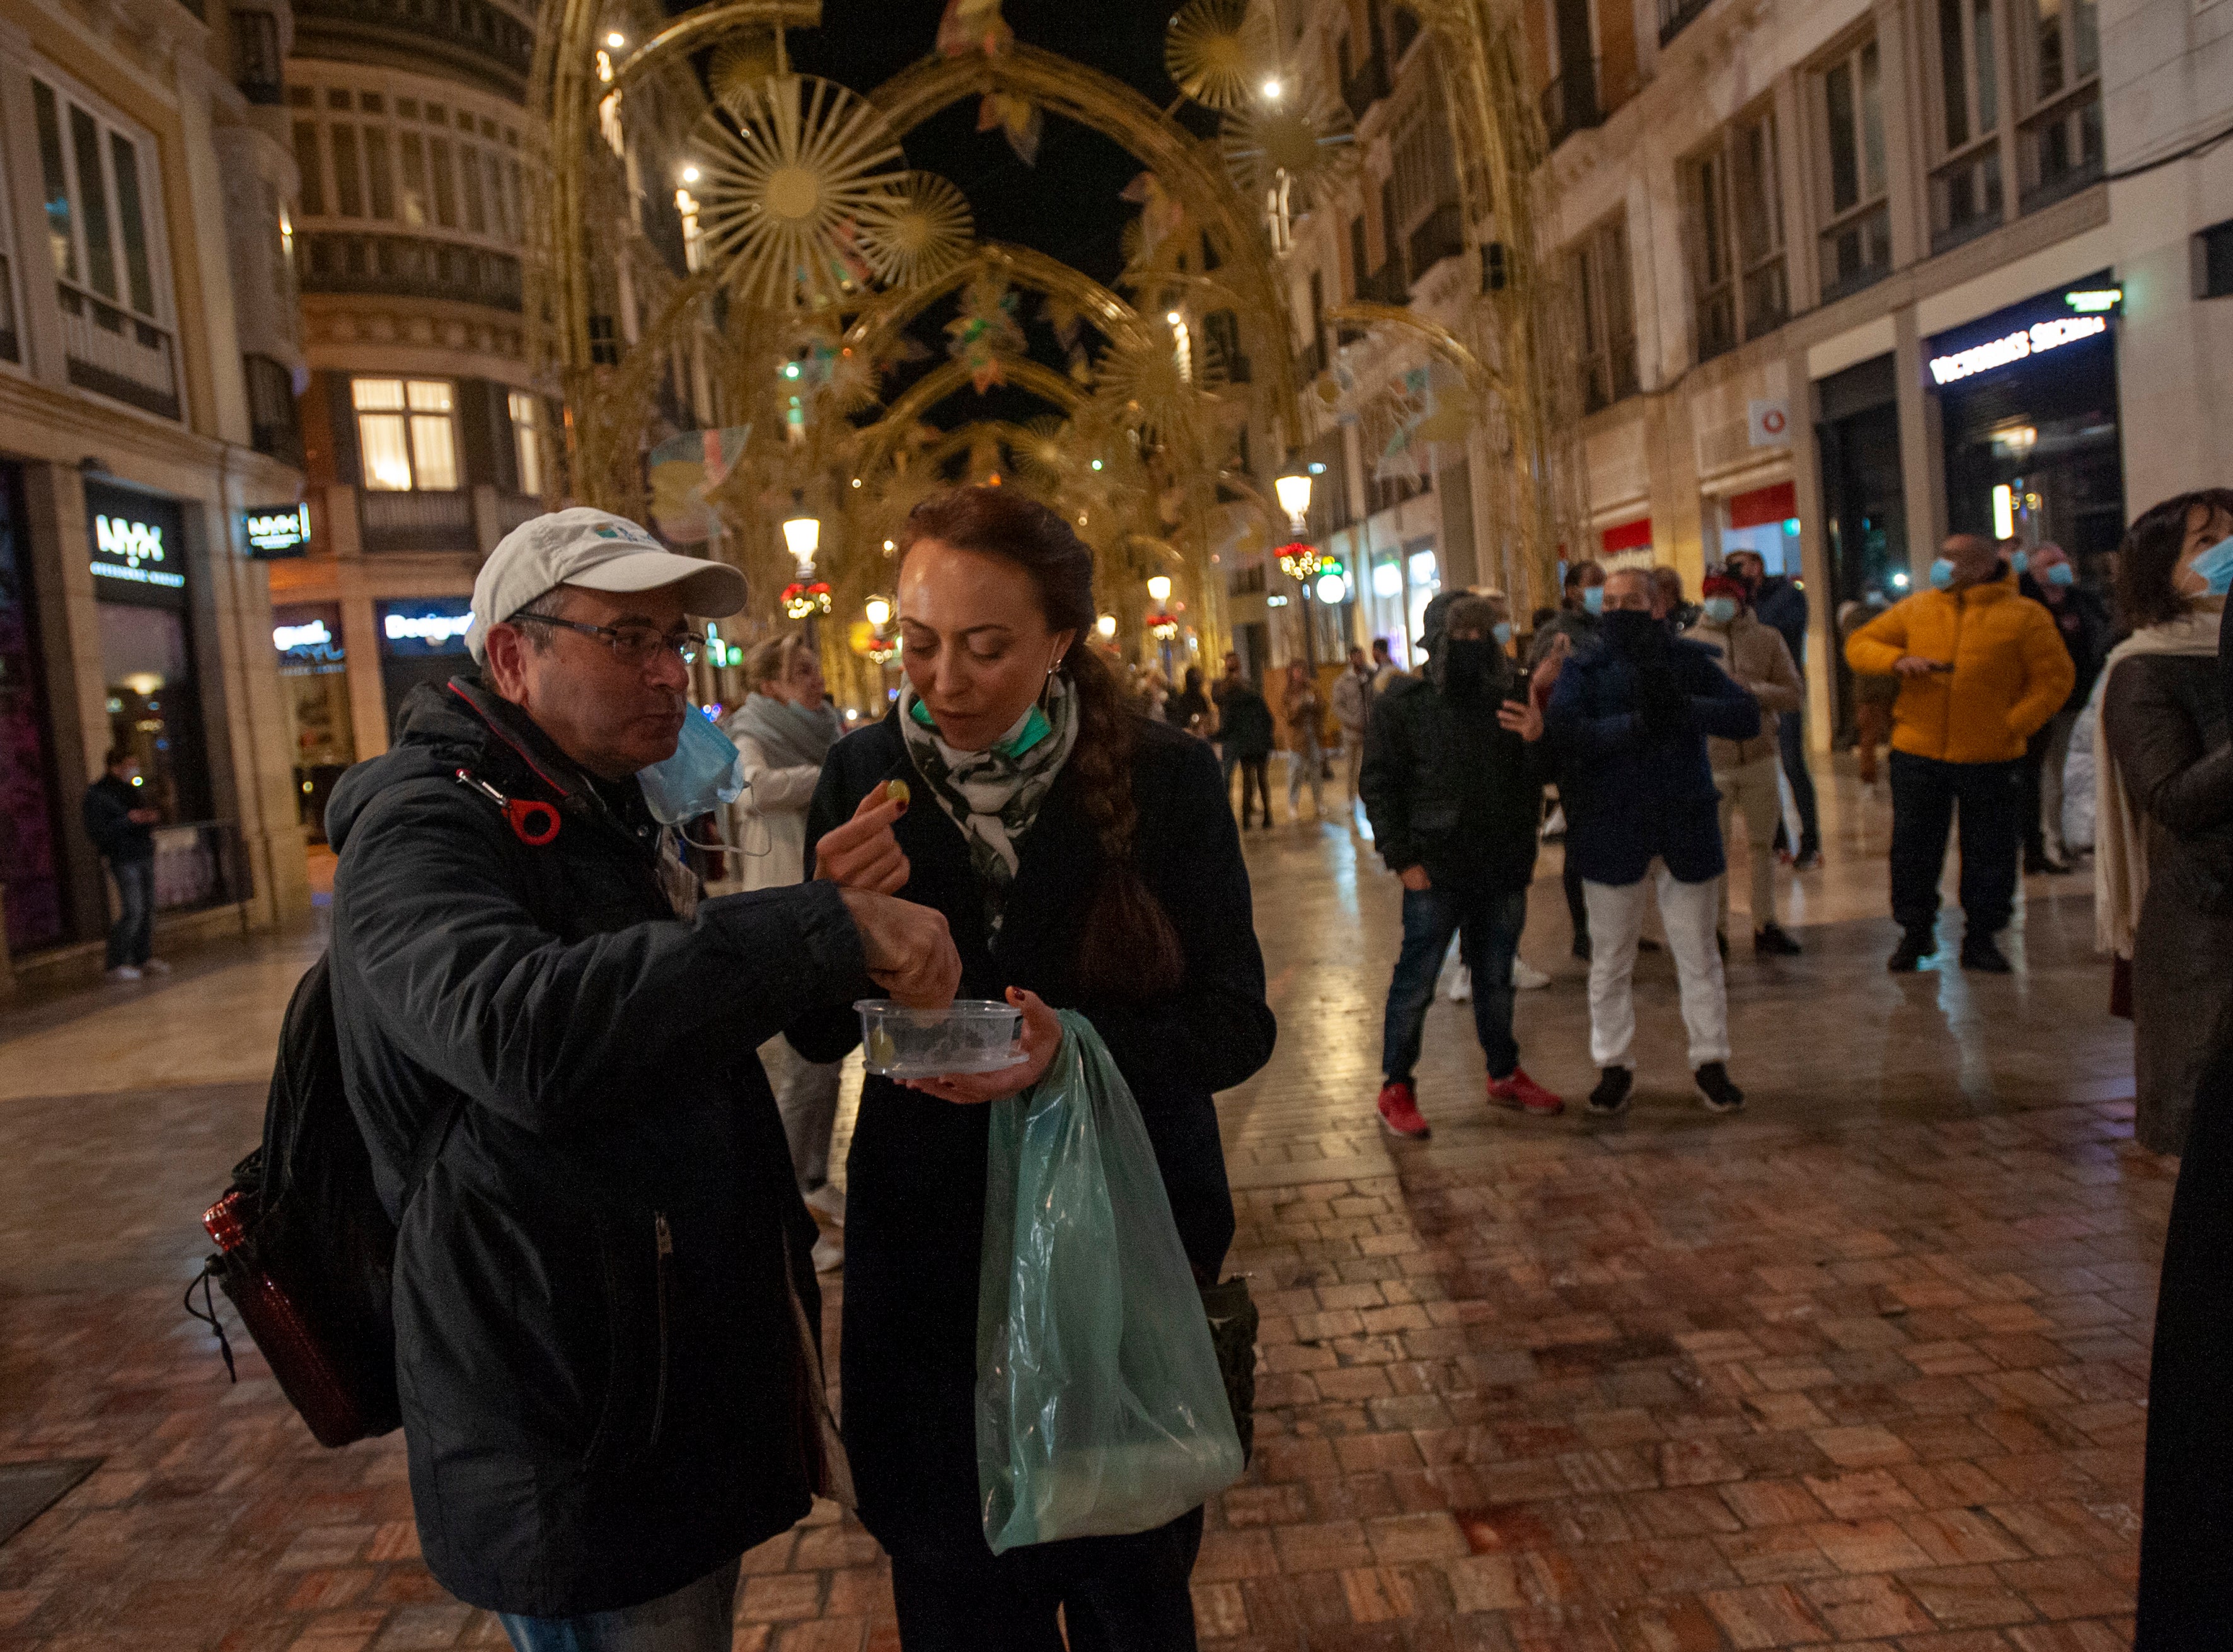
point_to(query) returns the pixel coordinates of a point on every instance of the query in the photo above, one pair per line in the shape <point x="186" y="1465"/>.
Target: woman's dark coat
<point x="915" y="1177"/>
<point x="2166" y="727"/>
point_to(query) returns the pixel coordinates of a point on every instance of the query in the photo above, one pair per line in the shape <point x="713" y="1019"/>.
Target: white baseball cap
<point x="598" y="551"/>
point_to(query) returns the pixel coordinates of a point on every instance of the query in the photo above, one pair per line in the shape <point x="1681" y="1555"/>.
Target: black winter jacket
<point x="599" y="1362"/>
<point x="1245" y="728"/>
<point x="1449" y="788"/>
<point x="914" y="1196"/>
<point x="121" y="840"/>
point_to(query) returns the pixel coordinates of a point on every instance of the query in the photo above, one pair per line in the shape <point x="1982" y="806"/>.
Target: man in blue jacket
<point x="1630" y="716"/>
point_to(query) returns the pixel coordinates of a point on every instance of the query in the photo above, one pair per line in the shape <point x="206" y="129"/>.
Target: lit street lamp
<point x="1159" y="588"/>
<point x="804" y="537"/>
<point x="1294" y="491"/>
<point x="879" y="612"/>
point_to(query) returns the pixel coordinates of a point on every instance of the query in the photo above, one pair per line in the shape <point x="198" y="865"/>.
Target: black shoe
<point x="1722" y="940"/>
<point x="1645" y="944"/>
<point x="1720" y="1096"/>
<point x="2037" y="865"/>
<point x="1771" y="940"/>
<point x="1582" y="947"/>
<point x="1610" y="1097"/>
<point x="1914" y="946"/>
<point x="1978" y="953"/>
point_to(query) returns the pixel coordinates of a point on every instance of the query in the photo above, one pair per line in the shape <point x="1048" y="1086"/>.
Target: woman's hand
<point x="1041" y="1037"/>
<point x="863" y="853"/>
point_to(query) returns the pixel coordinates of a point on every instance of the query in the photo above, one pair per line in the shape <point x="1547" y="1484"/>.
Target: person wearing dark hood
<point x="1630" y="718"/>
<point x="1575" y="624"/>
<point x="1452" y="783"/>
<point x="1682" y="613"/>
<point x="606" y="1329"/>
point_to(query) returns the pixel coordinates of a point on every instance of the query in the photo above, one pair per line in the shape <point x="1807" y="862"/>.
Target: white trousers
<point x="1687" y="911"/>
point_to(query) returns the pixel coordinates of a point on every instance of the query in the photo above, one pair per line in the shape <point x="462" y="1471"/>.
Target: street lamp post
<point x="1293" y="490"/>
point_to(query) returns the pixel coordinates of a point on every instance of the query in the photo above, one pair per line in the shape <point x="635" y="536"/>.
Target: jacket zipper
<point x="666" y="1242"/>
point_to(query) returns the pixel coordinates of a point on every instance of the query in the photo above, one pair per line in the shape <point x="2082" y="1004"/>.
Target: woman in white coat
<point x="785" y="729"/>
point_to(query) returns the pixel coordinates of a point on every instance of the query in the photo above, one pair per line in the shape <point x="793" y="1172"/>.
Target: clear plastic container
<point x="968" y="1036"/>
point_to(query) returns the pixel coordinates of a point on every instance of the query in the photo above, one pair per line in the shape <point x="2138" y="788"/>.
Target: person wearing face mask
<point x="1744" y="771"/>
<point x="1779" y="603"/>
<point x="2163" y="857"/>
<point x="1631" y="717"/>
<point x="2050" y="578"/>
<point x="1981" y="670"/>
<point x="1085" y="859"/>
<point x="783" y="732"/>
<point x="1581" y="601"/>
<point x="606" y="1323"/>
<point x="1453" y="773"/>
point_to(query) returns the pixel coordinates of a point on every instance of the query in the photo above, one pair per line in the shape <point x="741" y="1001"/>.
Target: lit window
<point x="405" y="433"/>
<point x="527" y="440"/>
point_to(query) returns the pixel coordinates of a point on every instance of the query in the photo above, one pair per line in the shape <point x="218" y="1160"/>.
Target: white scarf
<point x="2120" y="842"/>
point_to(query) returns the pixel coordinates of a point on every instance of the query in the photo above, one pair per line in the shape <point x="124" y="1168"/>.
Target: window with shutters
<point x="1598" y="272"/>
<point x="1854" y="244"/>
<point x="406" y="433"/>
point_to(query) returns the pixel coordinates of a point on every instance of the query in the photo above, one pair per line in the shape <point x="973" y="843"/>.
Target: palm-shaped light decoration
<point x="788" y="178"/>
<point x="918" y="231"/>
<point x="1046" y="452"/>
<point x="1219" y="52"/>
<point x="1285" y="153"/>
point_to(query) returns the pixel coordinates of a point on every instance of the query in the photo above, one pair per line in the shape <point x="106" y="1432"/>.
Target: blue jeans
<point x="132" y="937"/>
<point x="1487" y="927"/>
<point x="697" y="1617"/>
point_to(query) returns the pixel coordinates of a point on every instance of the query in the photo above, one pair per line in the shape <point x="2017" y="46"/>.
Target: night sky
<point x="1068" y="205"/>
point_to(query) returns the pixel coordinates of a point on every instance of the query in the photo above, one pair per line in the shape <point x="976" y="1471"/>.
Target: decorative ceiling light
<point x="919" y="231"/>
<point x="790" y="175"/>
<point x="1216" y="50"/>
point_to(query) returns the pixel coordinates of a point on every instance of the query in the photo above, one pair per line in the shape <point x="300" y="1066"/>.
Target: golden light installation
<point x="1214" y="50"/>
<point x="919" y="231"/>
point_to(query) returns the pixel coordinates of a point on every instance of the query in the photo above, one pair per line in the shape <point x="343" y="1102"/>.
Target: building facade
<point x="148" y="351"/>
<point x="1844" y="277"/>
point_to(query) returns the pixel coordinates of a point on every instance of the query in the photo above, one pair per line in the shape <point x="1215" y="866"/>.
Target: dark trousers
<point x="1487" y="927"/>
<point x="2186" y="1509"/>
<point x="130" y="938"/>
<point x="1255" y="780"/>
<point x="1924" y="793"/>
<point x="1790" y="747"/>
<point x="1121" y="1594"/>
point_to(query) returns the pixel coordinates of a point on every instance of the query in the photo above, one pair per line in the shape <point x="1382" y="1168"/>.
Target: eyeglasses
<point x="632" y="645"/>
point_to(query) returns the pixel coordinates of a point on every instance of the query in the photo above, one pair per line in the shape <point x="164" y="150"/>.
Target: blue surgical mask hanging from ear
<point x="1503" y="629"/>
<point x="2214" y="567"/>
<point x="2021" y="561"/>
<point x="1942" y="574"/>
<point x="706" y="774"/>
<point x="1593" y="599"/>
<point x="1721" y="609"/>
<point x="2060" y="574"/>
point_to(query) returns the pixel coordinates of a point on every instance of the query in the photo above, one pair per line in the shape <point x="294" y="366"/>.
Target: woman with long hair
<point x="2163" y="870"/>
<point x="1084" y="857"/>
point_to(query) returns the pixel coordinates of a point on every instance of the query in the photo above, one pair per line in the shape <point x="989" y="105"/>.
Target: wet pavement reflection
<point x="1863" y="1366"/>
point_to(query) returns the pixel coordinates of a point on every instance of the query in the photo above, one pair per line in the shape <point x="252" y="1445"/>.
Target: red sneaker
<point x="1399" y="1111"/>
<point x="1524" y="1093"/>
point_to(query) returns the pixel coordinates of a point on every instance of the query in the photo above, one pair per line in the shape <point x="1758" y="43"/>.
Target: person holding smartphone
<point x="1452" y="782"/>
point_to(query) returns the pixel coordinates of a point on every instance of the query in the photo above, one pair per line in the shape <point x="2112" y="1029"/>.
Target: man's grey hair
<point x="551" y="605"/>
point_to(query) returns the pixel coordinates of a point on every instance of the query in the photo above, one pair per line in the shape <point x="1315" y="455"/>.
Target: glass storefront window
<point x="314" y="682"/>
<point x="138" y="565"/>
<point x="30" y="858"/>
<point x="422" y="641"/>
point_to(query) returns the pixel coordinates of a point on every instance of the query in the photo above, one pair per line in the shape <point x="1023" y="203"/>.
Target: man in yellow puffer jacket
<point x="1980" y="668"/>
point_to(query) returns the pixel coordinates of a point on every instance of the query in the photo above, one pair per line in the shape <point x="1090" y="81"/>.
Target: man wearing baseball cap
<point x="606" y="1321"/>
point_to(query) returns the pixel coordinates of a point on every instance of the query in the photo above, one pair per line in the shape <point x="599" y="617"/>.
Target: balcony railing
<point x="1570" y="103"/>
<point x="1676" y="15"/>
<point x="1440" y="234"/>
<point x="481" y="35"/>
<point x="1367" y="87"/>
<point x="1856" y="251"/>
<point x="1965" y="195"/>
<point x="117" y="354"/>
<point x="406" y="266"/>
<point x="415" y="521"/>
<point x="2059" y="149"/>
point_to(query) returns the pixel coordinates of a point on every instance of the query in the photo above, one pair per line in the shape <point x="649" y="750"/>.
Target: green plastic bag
<point x="1100" y="1406"/>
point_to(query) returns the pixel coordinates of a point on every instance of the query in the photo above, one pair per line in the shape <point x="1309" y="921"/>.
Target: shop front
<point x="421" y="640"/>
<point x="1764" y="521"/>
<point x="2028" y="400"/>
<point x="140" y="574"/>
<point x="32" y="877"/>
<point x="313" y="684"/>
<point x="1863" y="500"/>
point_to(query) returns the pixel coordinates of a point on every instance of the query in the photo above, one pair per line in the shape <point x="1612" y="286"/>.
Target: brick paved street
<point x="1866" y="1366"/>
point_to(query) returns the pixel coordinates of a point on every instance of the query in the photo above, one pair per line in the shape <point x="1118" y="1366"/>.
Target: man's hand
<point x="1915" y="664"/>
<point x="908" y="949"/>
<point x="1522" y="716"/>
<point x="1414" y="879"/>
<point x="862" y="854"/>
<point x="1041" y="1037"/>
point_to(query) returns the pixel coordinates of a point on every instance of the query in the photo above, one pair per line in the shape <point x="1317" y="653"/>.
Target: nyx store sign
<point x="138" y="547"/>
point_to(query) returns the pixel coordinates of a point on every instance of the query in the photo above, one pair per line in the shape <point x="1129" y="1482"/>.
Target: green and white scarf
<point x="994" y="795"/>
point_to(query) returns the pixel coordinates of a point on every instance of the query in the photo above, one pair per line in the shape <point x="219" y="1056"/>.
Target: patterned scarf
<point x="993" y="796"/>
